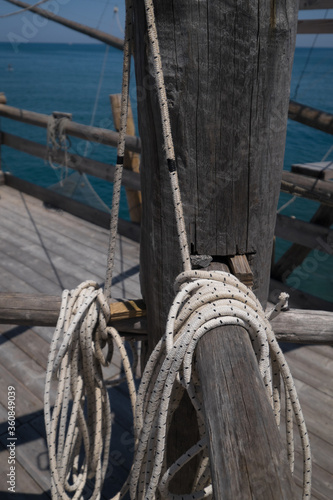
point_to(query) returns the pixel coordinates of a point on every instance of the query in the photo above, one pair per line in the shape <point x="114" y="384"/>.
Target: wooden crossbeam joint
<point x="127" y="309"/>
<point x="240" y="267"/>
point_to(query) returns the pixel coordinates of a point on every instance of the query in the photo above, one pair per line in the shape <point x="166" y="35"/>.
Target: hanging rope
<point x="79" y="433"/>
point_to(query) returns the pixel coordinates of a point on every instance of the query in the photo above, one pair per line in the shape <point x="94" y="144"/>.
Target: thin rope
<point x="167" y="135"/>
<point x="120" y="149"/>
<point x="23" y="10"/>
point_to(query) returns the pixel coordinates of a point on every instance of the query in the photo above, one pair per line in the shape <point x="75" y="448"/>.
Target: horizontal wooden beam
<point x="301" y="326"/>
<point x="81" y="28"/>
<point x="128" y="229"/>
<point x="312" y="117"/>
<point x="315" y="4"/>
<point x="295" y="325"/>
<point x="86" y="132"/>
<point x="43" y="310"/>
<point x="304" y="233"/>
<point x="98" y="169"/>
<point x="319" y="169"/>
<point x="307" y="187"/>
<point x="315" y="26"/>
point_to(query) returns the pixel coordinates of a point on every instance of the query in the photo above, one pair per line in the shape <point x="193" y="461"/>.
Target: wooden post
<point x="131" y="160"/>
<point x="227" y="68"/>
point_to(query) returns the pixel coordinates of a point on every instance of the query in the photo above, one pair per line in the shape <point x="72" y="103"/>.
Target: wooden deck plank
<point x="20" y="365"/>
<point x="25" y="486"/>
<point x="31" y="454"/>
<point x="318" y="366"/>
<point x="27" y="404"/>
<point x="73" y="234"/>
<point x="63" y="261"/>
<point x="27" y="212"/>
<point x="28" y="341"/>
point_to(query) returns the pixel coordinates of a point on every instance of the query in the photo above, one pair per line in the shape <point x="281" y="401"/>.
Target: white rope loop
<point x="79" y="434"/>
<point x="204" y="301"/>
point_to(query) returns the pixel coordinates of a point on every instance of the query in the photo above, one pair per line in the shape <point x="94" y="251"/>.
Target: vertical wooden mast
<point x="227" y="68"/>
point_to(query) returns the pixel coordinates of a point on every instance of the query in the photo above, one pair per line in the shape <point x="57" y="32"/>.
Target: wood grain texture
<point x="304" y="326"/>
<point x="247" y="457"/>
<point x="227" y="74"/>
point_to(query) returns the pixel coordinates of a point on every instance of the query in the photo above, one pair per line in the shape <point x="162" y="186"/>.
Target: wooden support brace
<point x="240" y="267"/>
<point x="43" y="310"/>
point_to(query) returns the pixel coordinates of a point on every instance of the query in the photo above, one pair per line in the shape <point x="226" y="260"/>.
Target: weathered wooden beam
<point x="319" y="169"/>
<point x="43" y="310"/>
<point x="83" y="165"/>
<point x="301" y="326"/>
<point x="90" y="214"/>
<point x="247" y="458"/>
<point x="86" y="132"/>
<point x="81" y="28"/>
<point x="307" y="234"/>
<point x="314" y="26"/>
<point x="307" y="187"/>
<point x="312" y="117"/>
<point x="296" y="254"/>
<point x="315" y="4"/>
<point x="131" y="160"/>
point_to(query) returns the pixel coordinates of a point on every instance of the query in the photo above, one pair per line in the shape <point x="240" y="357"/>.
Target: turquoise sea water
<point x="60" y="77"/>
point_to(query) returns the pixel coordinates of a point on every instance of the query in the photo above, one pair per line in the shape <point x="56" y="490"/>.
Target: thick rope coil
<point x="204" y="301"/>
<point x="79" y="433"/>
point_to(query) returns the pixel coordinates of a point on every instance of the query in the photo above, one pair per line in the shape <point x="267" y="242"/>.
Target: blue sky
<point x="98" y="13"/>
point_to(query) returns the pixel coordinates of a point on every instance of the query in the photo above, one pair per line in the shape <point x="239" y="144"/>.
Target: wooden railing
<point x="130" y="180"/>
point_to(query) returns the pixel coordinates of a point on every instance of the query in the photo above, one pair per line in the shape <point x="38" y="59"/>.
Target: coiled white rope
<point x="79" y="433"/>
<point x="204" y="301"/>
